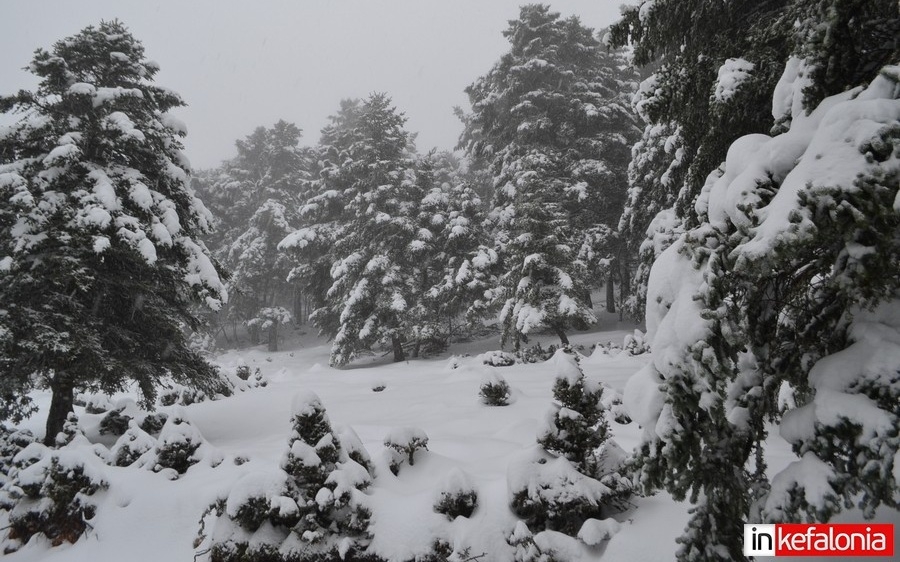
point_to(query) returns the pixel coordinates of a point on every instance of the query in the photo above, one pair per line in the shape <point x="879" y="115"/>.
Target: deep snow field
<point x="144" y="516"/>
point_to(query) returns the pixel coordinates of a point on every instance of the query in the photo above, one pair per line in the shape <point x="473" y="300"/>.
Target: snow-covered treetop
<point x="306" y="403"/>
<point x="95" y="152"/>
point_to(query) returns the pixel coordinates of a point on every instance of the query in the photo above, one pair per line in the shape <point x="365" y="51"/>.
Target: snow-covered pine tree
<point x="714" y="67"/>
<point x="576" y="427"/>
<point x="585" y="479"/>
<point x="100" y="259"/>
<point x="364" y="211"/>
<point x="255" y="198"/>
<point x="454" y="266"/>
<point x="313" y="508"/>
<point x="551" y="125"/>
<point x="780" y="285"/>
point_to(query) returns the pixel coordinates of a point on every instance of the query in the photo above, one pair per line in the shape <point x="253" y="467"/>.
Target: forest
<point x="724" y="176"/>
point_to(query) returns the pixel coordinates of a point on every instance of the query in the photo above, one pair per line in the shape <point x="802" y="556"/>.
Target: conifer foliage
<point x="99" y="257"/>
<point x="393" y="248"/>
<point x="774" y="286"/>
<point x="311" y="509"/>
<point x="550" y="123"/>
<point x="585" y="479"/>
<point x="256" y="198"/>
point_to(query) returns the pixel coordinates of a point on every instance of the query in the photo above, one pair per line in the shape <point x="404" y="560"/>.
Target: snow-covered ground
<point x="144" y="516"/>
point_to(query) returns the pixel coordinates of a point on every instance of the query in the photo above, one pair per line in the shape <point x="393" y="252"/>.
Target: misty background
<point x="239" y="65"/>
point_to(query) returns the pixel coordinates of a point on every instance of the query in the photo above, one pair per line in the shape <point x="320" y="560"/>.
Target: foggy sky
<point x="239" y="65"/>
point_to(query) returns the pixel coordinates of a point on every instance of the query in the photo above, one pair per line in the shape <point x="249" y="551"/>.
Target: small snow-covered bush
<point x="11" y="442"/>
<point x="405" y="441"/>
<point x="442" y="551"/>
<point x="554" y="495"/>
<point x="243" y="379"/>
<point x="494" y="390"/>
<point x="133" y="443"/>
<point x="457" y="496"/>
<point x="575" y="426"/>
<point x="181" y="396"/>
<point x="635" y="344"/>
<point x="114" y="422"/>
<point x="497" y="359"/>
<point x="93" y="403"/>
<point x="596" y="531"/>
<point x="153" y="423"/>
<point x="50" y="492"/>
<point x="536" y="353"/>
<point x="310" y="509"/>
<point x="585" y="480"/>
<point x="180" y="445"/>
<point x="71" y="431"/>
<point x="525" y="549"/>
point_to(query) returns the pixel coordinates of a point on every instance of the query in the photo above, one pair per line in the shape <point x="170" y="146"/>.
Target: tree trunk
<point x="398" y="349"/>
<point x="253" y="331"/>
<point x="624" y="285"/>
<point x="563" y="338"/>
<point x="273" y="337"/>
<point x="61" y="404"/>
<point x="610" y="293"/>
<point x="298" y="305"/>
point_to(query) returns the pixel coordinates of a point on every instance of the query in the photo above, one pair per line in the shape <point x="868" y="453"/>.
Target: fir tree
<point x="790" y="266"/>
<point x="363" y="221"/>
<point x="714" y="66"/>
<point x="98" y="230"/>
<point x="256" y="197"/>
<point x="454" y="266"/>
<point x="550" y="123"/>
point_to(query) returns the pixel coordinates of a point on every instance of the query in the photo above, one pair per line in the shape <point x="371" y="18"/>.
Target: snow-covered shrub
<point x="596" y="531"/>
<point x="552" y="494"/>
<point x="524" y="547"/>
<point x="133" y="443"/>
<point x="586" y="479"/>
<point x="576" y="425"/>
<point x="494" y="390"/>
<point x="243" y="372"/>
<point x="635" y="344"/>
<point x="312" y="446"/>
<point x="93" y="403"/>
<point x="12" y="441"/>
<point x="70" y="432"/>
<point x="179" y="444"/>
<point x="536" y="353"/>
<point x="153" y="423"/>
<point x="114" y="422"/>
<point x="181" y="395"/>
<point x="50" y="492"/>
<point x="457" y="496"/>
<point x="442" y="551"/>
<point x="607" y="348"/>
<point x="243" y="379"/>
<point x="405" y="441"/>
<point x="497" y="359"/>
<point x="311" y="508"/>
<point x="453" y="363"/>
<point x="252" y="379"/>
